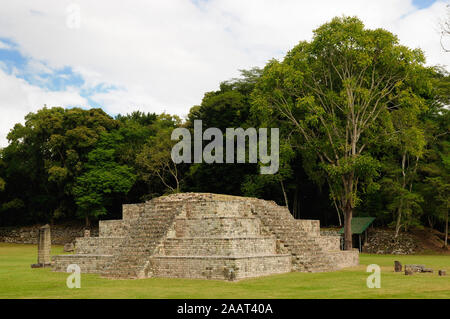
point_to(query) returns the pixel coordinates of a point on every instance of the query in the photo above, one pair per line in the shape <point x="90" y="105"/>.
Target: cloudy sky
<point x="164" y="55"/>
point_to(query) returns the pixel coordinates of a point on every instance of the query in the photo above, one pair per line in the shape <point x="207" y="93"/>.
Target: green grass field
<point x="18" y="280"/>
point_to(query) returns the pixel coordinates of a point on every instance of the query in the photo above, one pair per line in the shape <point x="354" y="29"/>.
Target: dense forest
<point x="364" y="131"/>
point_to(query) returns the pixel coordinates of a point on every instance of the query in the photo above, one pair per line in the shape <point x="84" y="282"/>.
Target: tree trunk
<point x="87" y="221"/>
<point x="398" y="224"/>
<point x="399" y="215"/>
<point x="446" y="232"/>
<point x="348" y="242"/>
<point x="284" y="194"/>
<point x="347" y="208"/>
<point x="430" y="222"/>
<point x="296" y="204"/>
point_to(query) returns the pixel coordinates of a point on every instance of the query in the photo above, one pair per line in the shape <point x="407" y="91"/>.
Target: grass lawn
<point x="18" y="280"/>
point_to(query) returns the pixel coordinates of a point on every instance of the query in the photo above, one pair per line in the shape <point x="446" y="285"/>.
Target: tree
<point x="401" y="163"/>
<point x="338" y="92"/>
<point x="136" y="128"/>
<point x="155" y="158"/>
<point x="138" y="117"/>
<point x="103" y="178"/>
<point x="441" y="187"/>
<point x="434" y="171"/>
<point x="438" y="180"/>
<point x="44" y="158"/>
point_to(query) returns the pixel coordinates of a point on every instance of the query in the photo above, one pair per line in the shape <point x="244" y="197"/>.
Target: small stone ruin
<point x="208" y="236"/>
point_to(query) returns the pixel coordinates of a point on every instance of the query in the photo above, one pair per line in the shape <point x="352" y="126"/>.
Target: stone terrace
<point x="210" y="236"/>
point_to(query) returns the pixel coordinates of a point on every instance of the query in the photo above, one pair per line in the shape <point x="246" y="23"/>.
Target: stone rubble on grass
<point x="418" y="268"/>
<point x="415" y="268"/>
<point x="411" y="269"/>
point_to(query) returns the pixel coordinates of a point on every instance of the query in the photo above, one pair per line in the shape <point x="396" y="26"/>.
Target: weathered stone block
<point x="397" y="266"/>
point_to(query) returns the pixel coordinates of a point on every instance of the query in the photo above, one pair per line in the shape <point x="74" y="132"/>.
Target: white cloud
<point x="420" y="29"/>
<point x="127" y="101"/>
<point x="38" y="67"/>
<point x="4" y="46"/>
<point x="164" y="55"/>
<point x="18" y="98"/>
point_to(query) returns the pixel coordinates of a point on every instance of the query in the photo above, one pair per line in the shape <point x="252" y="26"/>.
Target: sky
<point x="162" y="56"/>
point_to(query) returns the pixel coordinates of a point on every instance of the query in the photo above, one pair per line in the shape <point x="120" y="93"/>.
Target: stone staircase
<point x="310" y="251"/>
<point x="201" y="235"/>
<point x="145" y="234"/>
<point x="307" y="254"/>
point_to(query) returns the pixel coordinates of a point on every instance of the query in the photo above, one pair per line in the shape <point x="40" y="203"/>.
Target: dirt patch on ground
<point x="431" y="240"/>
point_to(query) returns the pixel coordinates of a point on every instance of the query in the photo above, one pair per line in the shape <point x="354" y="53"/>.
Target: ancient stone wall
<point x="61" y="234"/>
<point x="380" y="242"/>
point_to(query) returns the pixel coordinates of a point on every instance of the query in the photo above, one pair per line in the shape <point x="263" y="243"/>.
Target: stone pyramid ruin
<point x="209" y="236"/>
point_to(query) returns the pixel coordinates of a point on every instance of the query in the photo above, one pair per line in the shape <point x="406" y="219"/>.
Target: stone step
<point x="224" y="268"/>
<point x="217" y="246"/>
<point x="231" y="227"/>
<point x="88" y="263"/>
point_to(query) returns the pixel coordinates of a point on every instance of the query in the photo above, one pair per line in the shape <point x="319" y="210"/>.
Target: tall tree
<point x="337" y="91"/>
<point x="402" y="160"/>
